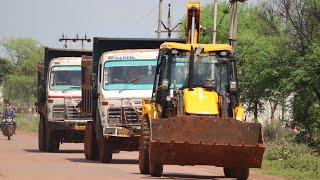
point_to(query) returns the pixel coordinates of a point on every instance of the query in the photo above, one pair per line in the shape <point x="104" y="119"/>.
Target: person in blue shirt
<point x="8" y="112"/>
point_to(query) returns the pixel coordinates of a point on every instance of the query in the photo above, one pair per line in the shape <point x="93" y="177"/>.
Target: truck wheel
<point x="242" y="173"/>
<point x="53" y="142"/>
<point x="239" y="173"/>
<point x="42" y="139"/>
<point x="229" y="172"/>
<point x="144" y="147"/>
<point x="91" y="150"/>
<point x="105" y="151"/>
<point x="156" y="170"/>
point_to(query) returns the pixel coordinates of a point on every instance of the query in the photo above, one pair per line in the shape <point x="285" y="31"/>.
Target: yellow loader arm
<point x="193" y="22"/>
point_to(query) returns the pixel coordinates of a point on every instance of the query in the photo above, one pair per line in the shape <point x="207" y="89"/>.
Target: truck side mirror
<point x="233" y="86"/>
<point x="93" y="80"/>
<point x="165" y="84"/>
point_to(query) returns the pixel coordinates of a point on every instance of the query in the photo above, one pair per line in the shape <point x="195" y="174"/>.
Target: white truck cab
<point x="125" y="78"/>
<point x="64" y="90"/>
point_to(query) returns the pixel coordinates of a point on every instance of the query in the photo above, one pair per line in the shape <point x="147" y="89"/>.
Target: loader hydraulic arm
<point x="193" y="23"/>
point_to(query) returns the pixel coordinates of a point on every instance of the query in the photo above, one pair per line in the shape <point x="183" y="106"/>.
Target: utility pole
<point x="169" y="22"/>
<point x="233" y="24"/>
<point x="168" y="28"/>
<point x="159" y="19"/>
<point x="214" y="28"/>
<point x="66" y="39"/>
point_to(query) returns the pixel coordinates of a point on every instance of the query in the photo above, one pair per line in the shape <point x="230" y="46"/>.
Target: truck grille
<point x="124" y="116"/>
<point x="61" y="112"/>
<point x="74" y="112"/>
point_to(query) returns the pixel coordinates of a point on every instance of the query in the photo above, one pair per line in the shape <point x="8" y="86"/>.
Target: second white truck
<point x="114" y="84"/>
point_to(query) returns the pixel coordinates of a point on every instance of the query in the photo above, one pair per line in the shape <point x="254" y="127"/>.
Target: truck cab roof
<point x="130" y="54"/>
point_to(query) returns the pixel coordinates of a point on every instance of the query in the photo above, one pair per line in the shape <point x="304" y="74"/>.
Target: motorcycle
<point x="8" y="127"/>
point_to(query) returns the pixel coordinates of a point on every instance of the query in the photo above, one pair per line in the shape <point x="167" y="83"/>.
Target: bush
<point x="274" y="131"/>
<point x="284" y="156"/>
<point x="25" y="123"/>
<point x="291" y="159"/>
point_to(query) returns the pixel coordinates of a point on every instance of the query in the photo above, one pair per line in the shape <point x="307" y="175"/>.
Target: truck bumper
<point x="123" y="139"/>
<point x="68" y="131"/>
<point x="120" y="143"/>
<point x="122" y="131"/>
<point x="66" y="125"/>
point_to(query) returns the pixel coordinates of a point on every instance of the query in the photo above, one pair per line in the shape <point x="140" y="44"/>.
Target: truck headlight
<point x="113" y="120"/>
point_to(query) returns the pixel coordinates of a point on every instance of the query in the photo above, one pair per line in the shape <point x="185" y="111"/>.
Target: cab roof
<point x="187" y="47"/>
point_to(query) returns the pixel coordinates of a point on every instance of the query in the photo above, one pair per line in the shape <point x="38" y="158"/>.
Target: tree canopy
<point x="19" y="70"/>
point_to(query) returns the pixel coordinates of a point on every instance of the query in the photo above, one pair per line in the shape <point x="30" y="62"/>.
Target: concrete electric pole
<point x="214" y="28"/>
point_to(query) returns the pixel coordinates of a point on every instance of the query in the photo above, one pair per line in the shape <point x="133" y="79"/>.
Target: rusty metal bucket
<point x="200" y="140"/>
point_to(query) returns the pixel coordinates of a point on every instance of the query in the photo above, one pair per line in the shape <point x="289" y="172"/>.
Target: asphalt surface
<point x="21" y="160"/>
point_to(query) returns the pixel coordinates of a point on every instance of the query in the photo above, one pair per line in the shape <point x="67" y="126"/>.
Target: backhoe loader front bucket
<point x="199" y="140"/>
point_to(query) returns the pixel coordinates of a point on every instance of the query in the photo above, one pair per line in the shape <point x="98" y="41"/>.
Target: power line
<point x="140" y="19"/>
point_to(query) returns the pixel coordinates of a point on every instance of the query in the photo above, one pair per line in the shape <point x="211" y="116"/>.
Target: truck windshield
<point x="65" y="78"/>
<point x="130" y="75"/>
<point x="205" y="68"/>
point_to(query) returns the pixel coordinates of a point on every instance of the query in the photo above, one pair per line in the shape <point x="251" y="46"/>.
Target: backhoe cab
<point x="198" y="75"/>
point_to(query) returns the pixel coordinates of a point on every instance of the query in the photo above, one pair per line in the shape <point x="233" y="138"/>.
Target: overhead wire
<point x="225" y="12"/>
<point x="140" y="19"/>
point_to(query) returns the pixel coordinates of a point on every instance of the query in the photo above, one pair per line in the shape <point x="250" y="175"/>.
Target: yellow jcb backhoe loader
<point x="194" y="116"/>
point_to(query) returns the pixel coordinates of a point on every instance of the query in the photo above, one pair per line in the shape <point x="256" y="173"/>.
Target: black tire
<point x="239" y="173"/>
<point x="53" y="142"/>
<point x="229" y="172"/>
<point x="42" y="138"/>
<point x="91" y="149"/>
<point x="105" y="151"/>
<point x="156" y="170"/>
<point x="144" y="147"/>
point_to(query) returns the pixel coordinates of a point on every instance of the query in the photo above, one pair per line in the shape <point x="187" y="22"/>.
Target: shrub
<point x="274" y="131"/>
<point x="285" y="156"/>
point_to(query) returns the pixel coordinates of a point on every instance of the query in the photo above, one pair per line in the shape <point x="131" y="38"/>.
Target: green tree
<point x="20" y="86"/>
<point x="300" y="23"/>
<point x="6" y="68"/>
<point x="20" y="48"/>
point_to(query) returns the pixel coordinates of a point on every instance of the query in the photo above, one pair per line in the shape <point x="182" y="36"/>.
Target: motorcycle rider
<point x="9" y="112"/>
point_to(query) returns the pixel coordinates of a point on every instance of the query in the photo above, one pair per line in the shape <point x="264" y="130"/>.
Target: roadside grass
<point x="285" y="157"/>
<point x="27" y="123"/>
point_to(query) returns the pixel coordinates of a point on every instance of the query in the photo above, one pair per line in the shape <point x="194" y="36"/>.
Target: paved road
<point x="20" y="159"/>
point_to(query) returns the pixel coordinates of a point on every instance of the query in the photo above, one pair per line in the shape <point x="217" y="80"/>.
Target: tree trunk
<point x="283" y="109"/>
<point x="255" y="111"/>
<point x="273" y="110"/>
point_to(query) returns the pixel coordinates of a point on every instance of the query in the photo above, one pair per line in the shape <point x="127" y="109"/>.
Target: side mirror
<point x="233" y="86"/>
<point x="165" y="84"/>
<point x="93" y="80"/>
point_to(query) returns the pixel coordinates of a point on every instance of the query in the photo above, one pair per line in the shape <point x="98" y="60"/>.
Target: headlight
<point x="58" y="115"/>
<point x="114" y="120"/>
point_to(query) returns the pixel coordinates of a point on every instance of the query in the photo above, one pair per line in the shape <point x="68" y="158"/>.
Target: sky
<point x="46" y="20"/>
